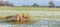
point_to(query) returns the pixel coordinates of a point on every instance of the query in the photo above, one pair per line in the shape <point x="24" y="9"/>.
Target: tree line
<point x="51" y="4"/>
<point x="7" y="3"/>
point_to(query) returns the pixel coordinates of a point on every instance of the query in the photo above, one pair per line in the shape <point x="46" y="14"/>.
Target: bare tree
<point x="51" y="4"/>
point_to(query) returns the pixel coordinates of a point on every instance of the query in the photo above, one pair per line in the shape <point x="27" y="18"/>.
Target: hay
<point x="2" y="17"/>
<point x="22" y="22"/>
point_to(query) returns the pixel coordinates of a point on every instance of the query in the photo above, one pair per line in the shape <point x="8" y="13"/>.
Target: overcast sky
<point x="30" y="2"/>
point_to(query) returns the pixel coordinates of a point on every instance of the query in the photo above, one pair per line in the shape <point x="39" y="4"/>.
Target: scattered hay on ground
<point x="2" y="17"/>
<point x="22" y="22"/>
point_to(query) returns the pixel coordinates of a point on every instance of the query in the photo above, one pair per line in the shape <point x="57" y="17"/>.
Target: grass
<point x="30" y="8"/>
<point x="4" y="10"/>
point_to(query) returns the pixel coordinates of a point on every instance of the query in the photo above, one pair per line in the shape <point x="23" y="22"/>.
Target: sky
<point x="31" y="2"/>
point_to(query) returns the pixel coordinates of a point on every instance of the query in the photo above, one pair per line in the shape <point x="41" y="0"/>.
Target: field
<point x="30" y="8"/>
<point x="36" y="13"/>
